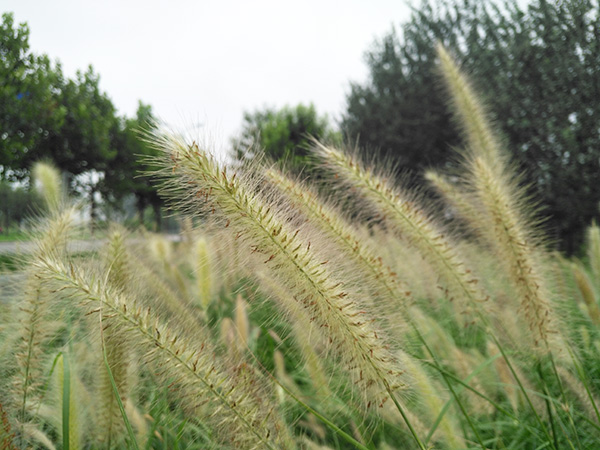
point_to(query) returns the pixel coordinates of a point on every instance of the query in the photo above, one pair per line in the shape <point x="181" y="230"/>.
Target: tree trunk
<point x="141" y="207"/>
<point x="93" y="210"/>
<point x="157" y="216"/>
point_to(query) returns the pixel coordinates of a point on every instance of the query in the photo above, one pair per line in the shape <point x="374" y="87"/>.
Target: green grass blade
<point x="524" y="391"/>
<point x="474" y="391"/>
<point x="44" y="389"/>
<point x="450" y="388"/>
<point x="132" y="440"/>
<point x="341" y="433"/>
<point x="472" y="375"/>
<point x="405" y="417"/>
<point x="66" y="402"/>
<point x="584" y="380"/>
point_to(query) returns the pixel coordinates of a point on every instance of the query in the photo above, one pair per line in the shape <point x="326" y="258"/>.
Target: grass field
<point x="284" y="319"/>
<point x="8" y="262"/>
<point x="14" y="236"/>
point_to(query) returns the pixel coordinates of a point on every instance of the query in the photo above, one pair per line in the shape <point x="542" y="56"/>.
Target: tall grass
<point x="365" y="318"/>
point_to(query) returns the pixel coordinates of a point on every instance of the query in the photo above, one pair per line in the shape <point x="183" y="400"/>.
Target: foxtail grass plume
<point x="470" y="113"/>
<point x="348" y="239"/>
<point x="113" y="343"/>
<point x="34" y="435"/>
<point x="201" y="184"/>
<point x="241" y="321"/>
<point x="162" y="296"/>
<point x="593" y="253"/>
<point x="454" y="194"/>
<point x="35" y="326"/>
<point x="503" y="219"/>
<point x="7" y="437"/>
<point x="432" y="403"/>
<point x="401" y="213"/>
<point x="586" y="288"/>
<point x="308" y="337"/>
<point x="204" y="272"/>
<point x="48" y="184"/>
<point x="238" y="408"/>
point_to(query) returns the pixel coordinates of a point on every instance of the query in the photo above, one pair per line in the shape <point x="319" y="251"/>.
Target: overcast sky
<point x="206" y="62"/>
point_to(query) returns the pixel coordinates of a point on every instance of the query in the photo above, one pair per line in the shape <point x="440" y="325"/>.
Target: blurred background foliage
<point x="537" y="67"/>
<point x="283" y="135"/>
<point x="538" y="70"/>
<point x="71" y="122"/>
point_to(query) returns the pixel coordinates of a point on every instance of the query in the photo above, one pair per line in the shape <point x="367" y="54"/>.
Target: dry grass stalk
<point x="401" y="213"/>
<point x="258" y="223"/>
<point x="503" y="219"/>
<point x="238" y="409"/>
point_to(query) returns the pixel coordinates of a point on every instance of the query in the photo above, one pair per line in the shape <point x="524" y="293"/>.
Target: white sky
<point x="206" y="61"/>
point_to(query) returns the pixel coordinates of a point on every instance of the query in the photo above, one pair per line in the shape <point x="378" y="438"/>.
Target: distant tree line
<point x="283" y="134"/>
<point x="71" y="122"/>
<point x="538" y="70"/>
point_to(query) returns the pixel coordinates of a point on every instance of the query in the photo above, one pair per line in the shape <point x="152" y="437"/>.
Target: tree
<point x="283" y="135"/>
<point x="83" y="141"/>
<point x="396" y="115"/>
<point x="538" y="70"/>
<point x="17" y="203"/>
<point x="83" y="144"/>
<point x="45" y="116"/>
<point x="29" y="109"/>
<point x="129" y="171"/>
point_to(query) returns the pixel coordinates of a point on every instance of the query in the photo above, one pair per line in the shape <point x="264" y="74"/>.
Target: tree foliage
<point x="83" y="142"/>
<point x="17" y="203"/>
<point x="47" y="116"/>
<point x="29" y="109"/>
<point x="128" y="172"/>
<point x="283" y="135"/>
<point x="539" y="71"/>
<point x="72" y="122"/>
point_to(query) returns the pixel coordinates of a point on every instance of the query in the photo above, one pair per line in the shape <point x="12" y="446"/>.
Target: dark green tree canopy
<point x="29" y="109"/>
<point x="538" y="70"/>
<point x="283" y="135"/>
<point x="398" y="113"/>
<point x="128" y="171"/>
<point x="72" y="122"/>
<point x="46" y="116"/>
<point x="83" y="141"/>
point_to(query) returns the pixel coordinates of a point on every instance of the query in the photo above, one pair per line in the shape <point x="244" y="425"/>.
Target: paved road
<point x="11" y="283"/>
<point x="73" y="245"/>
<point x="29" y="246"/>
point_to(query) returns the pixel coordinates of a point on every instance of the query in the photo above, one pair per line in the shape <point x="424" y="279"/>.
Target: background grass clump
<point x="348" y="313"/>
